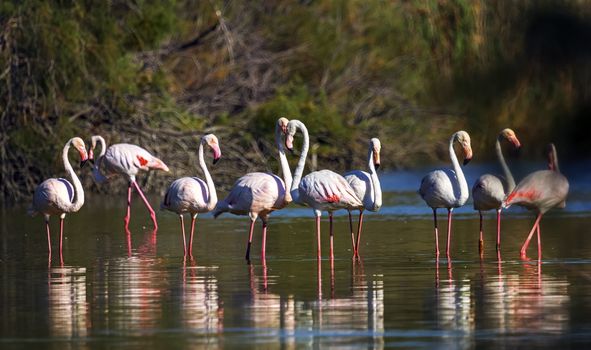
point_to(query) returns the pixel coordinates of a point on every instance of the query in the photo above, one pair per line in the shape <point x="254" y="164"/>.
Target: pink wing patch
<point x="333" y="199"/>
<point x="142" y="160"/>
<point x="530" y="195"/>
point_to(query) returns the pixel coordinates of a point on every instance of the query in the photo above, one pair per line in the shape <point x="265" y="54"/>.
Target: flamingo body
<point x="127" y="159"/>
<point x="187" y="195"/>
<point x="541" y="191"/>
<point x="488" y="192"/>
<point x="442" y="189"/>
<point x="53" y="197"/>
<point x="326" y="190"/>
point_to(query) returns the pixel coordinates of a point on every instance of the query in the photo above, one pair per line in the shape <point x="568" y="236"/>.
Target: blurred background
<point x="161" y="74"/>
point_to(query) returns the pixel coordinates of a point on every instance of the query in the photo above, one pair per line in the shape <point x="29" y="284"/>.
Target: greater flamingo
<point x="58" y="196"/>
<point x="127" y="160"/>
<point x="540" y="191"/>
<point x="193" y="195"/>
<point x="447" y="188"/>
<point x="258" y="194"/>
<point x="322" y="190"/>
<point x="367" y="188"/>
<point x="489" y="190"/>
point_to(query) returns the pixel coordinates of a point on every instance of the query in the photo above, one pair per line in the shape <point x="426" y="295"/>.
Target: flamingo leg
<point x="152" y="213"/>
<point x="48" y="236"/>
<point x="331" y="236"/>
<point x="481" y="240"/>
<point x="250" y="239"/>
<point x="498" y="230"/>
<point x="539" y="243"/>
<point x="61" y="238"/>
<point x="183" y="233"/>
<point x="264" y="242"/>
<point x="191" y="239"/>
<point x="318" y="213"/>
<point x="531" y="233"/>
<point x="436" y="233"/>
<point x="352" y="234"/>
<point x="359" y="226"/>
<point x="449" y="215"/>
<point x="127" y="217"/>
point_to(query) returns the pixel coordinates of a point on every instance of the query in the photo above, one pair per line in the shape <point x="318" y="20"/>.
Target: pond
<point x="136" y="290"/>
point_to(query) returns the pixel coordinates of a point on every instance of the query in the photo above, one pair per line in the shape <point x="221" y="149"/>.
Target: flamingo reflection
<point x="200" y="303"/>
<point x="68" y="307"/>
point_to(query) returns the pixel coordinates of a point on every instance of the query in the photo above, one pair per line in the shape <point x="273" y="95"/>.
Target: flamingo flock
<point x="258" y="194"/>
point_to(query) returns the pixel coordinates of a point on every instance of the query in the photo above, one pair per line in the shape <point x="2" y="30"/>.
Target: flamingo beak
<point x="289" y="142"/>
<point x="284" y="129"/>
<point x="376" y="159"/>
<point x="468" y="154"/>
<point x="83" y="158"/>
<point x="514" y="141"/>
<point x="91" y="156"/>
<point x="217" y="153"/>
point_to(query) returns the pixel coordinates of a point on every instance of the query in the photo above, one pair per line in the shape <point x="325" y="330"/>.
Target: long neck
<point x="297" y="177"/>
<point x="506" y="171"/>
<point x="103" y="145"/>
<point x="377" y="189"/>
<point x="213" y="196"/>
<point x="284" y="164"/>
<point x="79" y="191"/>
<point x="463" y="195"/>
<point x="96" y="173"/>
<point x="555" y="159"/>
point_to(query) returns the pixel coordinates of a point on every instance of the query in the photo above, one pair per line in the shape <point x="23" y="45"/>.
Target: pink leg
<point x="539" y="243"/>
<point x="360" y="225"/>
<point x="61" y="240"/>
<point x="183" y="233"/>
<point x="264" y="243"/>
<point x="531" y="233"/>
<point x="192" y="232"/>
<point x="331" y="236"/>
<point x="127" y="217"/>
<point x="498" y="230"/>
<point x="48" y="237"/>
<point x="436" y="233"/>
<point x="319" y="254"/>
<point x="352" y="234"/>
<point x="249" y="239"/>
<point x="449" y="214"/>
<point x="481" y="240"/>
<point x="152" y="213"/>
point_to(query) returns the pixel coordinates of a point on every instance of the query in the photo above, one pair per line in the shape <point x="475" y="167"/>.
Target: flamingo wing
<point x="362" y="185"/>
<point x="542" y="189"/>
<point x="437" y="189"/>
<point x="328" y="190"/>
<point x="128" y="159"/>
<point x="488" y="192"/>
<point x="187" y="194"/>
<point x="53" y="197"/>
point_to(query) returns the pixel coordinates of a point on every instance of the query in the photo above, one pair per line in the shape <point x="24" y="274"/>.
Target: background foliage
<point x="162" y="73"/>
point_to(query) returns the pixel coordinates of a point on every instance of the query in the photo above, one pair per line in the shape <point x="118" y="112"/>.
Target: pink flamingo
<point x="58" y="196"/>
<point x="193" y="195"/>
<point x="259" y="194"/>
<point x="540" y="191"/>
<point x="127" y="160"/>
<point x="447" y="188"/>
<point x="489" y="190"/>
<point x="367" y="187"/>
<point x="322" y="190"/>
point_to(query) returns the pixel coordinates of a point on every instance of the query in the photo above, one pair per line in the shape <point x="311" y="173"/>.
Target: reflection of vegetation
<point x="161" y="73"/>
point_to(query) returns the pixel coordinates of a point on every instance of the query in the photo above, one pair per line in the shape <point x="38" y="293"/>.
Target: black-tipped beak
<point x="82" y="163"/>
<point x="91" y="160"/>
<point x="215" y="160"/>
<point x="377" y="165"/>
<point x="467" y="160"/>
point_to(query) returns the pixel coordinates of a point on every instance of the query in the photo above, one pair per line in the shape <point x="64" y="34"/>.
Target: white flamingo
<point x="193" y="195"/>
<point x="489" y="190"/>
<point x="127" y="160"/>
<point x="367" y="188"/>
<point x="58" y="196"/>
<point x="540" y="191"/>
<point x="447" y="188"/>
<point x="322" y="190"/>
<point x="258" y="194"/>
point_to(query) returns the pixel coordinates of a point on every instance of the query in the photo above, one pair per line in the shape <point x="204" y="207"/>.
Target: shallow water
<point x="138" y="292"/>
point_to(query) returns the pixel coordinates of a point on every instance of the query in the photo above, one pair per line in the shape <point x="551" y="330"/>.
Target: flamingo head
<point x="282" y="124"/>
<point x="291" y="131"/>
<point x="510" y="136"/>
<point x="93" y="141"/>
<point x="463" y="139"/>
<point x="212" y="141"/>
<point x="78" y="143"/>
<point x="375" y="146"/>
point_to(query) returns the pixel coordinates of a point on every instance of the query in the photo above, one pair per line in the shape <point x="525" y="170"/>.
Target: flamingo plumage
<point x="322" y="190"/>
<point x="540" y="191"/>
<point x="193" y="195"/>
<point x="367" y="188"/>
<point x="259" y="194"/>
<point x="57" y="196"/>
<point x="489" y="190"/>
<point x="127" y="160"/>
<point x="447" y="188"/>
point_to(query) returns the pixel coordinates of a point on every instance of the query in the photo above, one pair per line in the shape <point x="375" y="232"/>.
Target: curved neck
<point x="555" y="159"/>
<point x="79" y="191"/>
<point x="213" y="196"/>
<point x="96" y="173"/>
<point x="103" y="145"/>
<point x="297" y="176"/>
<point x="506" y="171"/>
<point x="377" y="189"/>
<point x="284" y="164"/>
<point x="463" y="195"/>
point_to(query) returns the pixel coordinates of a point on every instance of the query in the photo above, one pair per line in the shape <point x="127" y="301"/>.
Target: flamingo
<point x="447" y="188"/>
<point x="540" y="191"/>
<point x="322" y="190"/>
<point x="489" y="190"/>
<point x="367" y="187"/>
<point x="193" y="195"/>
<point x="258" y="194"/>
<point x="127" y="160"/>
<point x="58" y="196"/>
